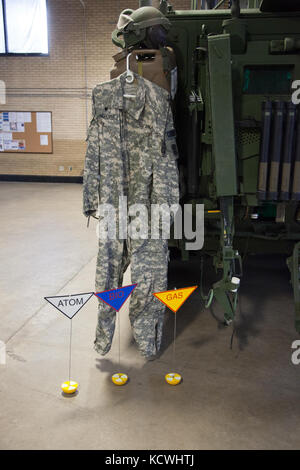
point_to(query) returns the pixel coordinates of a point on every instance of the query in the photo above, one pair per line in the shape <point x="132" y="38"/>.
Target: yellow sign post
<point x="174" y="299"/>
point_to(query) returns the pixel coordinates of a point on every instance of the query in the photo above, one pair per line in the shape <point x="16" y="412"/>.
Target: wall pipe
<point x="85" y="64"/>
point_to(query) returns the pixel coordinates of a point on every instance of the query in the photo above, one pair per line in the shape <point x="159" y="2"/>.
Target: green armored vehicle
<point x="238" y="132"/>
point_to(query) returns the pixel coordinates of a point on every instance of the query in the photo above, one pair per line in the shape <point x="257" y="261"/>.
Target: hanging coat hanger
<point x="129" y="76"/>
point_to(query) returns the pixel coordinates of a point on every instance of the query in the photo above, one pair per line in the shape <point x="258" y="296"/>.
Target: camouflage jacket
<point x="131" y="146"/>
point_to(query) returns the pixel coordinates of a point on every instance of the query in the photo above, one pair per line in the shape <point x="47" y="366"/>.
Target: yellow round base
<point x="69" y="386"/>
<point x="119" y="379"/>
<point x="173" y="378"/>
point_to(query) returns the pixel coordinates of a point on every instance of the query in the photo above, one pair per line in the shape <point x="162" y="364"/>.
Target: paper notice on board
<point x="5" y="126"/>
<point x="43" y="122"/>
<point x="27" y="117"/>
<point x="21" y="144"/>
<point x="7" y="144"/>
<point x="20" y="127"/>
<point x="6" y="136"/>
<point x="20" y="117"/>
<point x="14" y="145"/>
<point x="12" y="116"/>
<point x="43" y="139"/>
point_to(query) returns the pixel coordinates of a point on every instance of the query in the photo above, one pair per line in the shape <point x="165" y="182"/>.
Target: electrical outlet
<point x="61" y="168"/>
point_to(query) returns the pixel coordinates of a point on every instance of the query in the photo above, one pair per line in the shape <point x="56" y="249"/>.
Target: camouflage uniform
<point x="131" y="152"/>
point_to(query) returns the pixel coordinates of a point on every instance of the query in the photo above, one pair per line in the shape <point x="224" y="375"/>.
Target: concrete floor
<point x="246" y="397"/>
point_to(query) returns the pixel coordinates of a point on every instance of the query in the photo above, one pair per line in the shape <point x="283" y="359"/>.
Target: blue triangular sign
<point x="115" y="298"/>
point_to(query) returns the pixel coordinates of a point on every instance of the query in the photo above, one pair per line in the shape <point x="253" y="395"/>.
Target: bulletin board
<point x="26" y="132"/>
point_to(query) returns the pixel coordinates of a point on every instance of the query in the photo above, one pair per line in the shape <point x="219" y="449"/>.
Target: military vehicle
<point x="238" y="133"/>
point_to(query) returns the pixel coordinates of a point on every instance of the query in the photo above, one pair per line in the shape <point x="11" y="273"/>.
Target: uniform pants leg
<point x="112" y="262"/>
<point x="149" y="266"/>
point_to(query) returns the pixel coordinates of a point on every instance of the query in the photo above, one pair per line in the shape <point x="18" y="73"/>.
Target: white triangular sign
<point x="69" y="305"/>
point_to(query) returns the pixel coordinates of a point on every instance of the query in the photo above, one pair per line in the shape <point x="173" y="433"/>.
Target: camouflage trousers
<point x="149" y="264"/>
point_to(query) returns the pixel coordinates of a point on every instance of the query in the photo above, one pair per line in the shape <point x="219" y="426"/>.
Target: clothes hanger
<point x="129" y="76"/>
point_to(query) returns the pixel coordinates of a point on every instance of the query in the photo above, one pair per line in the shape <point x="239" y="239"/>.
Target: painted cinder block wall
<point x="57" y="83"/>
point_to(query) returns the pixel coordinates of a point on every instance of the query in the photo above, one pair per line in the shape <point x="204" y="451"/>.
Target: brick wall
<point x="57" y="83"/>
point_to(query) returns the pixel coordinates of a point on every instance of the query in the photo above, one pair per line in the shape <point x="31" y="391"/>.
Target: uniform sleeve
<point x="91" y="174"/>
<point x="171" y="154"/>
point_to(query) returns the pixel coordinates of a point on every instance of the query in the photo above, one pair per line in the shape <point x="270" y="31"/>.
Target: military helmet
<point x="124" y="19"/>
<point x="134" y="25"/>
<point x="142" y="18"/>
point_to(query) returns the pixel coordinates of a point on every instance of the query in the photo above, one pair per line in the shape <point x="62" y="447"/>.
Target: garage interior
<point x="240" y="398"/>
<point x="240" y="389"/>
